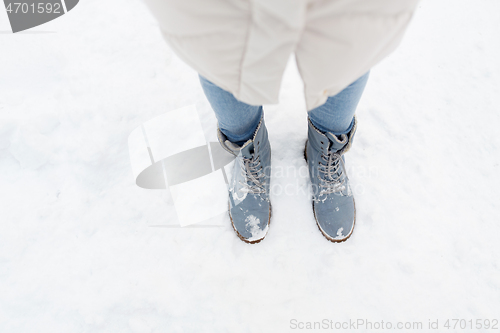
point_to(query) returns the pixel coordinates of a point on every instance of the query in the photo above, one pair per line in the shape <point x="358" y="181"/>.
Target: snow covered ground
<point x="83" y="249"/>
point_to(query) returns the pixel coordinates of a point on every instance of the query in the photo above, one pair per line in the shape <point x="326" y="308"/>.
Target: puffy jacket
<point x="243" y="45"/>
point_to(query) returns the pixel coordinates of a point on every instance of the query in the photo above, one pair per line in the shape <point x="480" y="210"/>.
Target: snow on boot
<point x="249" y="204"/>
<point x="333" y="202"/>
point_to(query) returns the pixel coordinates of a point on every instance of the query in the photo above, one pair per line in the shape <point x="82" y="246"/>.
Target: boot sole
<point x="243" y="238"/>
<point x="328" y="237"/>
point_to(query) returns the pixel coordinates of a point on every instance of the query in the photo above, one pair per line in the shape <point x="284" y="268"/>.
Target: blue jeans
<point x="238" y="120"/>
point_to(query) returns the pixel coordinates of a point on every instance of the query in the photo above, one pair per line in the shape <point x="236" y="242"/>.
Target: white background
<point x="79" y="246"/>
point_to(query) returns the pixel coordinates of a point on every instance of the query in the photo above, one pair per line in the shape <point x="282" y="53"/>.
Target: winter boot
<point x="333" y="202"/>
<point x="249" y="204"/>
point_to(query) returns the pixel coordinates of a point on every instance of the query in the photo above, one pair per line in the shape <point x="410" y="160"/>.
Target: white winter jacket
<point x="243" y="45"/>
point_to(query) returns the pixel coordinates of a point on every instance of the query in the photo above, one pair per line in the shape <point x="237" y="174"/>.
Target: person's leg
<point x="243" y="133"/>
<point x="331" y="128"/>
<point x="336" y="115"/>
<point x="237" y="120"/>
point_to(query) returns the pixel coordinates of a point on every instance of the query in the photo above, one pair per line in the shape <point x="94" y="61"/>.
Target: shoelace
<point x="250" y="170"/>
<point x="334" y="178"/>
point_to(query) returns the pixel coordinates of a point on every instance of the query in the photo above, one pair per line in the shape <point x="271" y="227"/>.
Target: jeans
<point x="238" y="120"/>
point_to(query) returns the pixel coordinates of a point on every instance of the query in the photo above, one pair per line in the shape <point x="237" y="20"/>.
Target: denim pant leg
<point x="237" y="120"/>
<point x="336" y="115"/>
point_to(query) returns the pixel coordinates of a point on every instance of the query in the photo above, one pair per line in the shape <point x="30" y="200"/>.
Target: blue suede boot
<point x="249" y="204"/>
<point x="333" y="202"/>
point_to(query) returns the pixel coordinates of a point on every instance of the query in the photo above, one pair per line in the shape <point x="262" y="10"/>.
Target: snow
<point x="252" y="225"/>
<point x="238" y="199"/>
<point x="83" y="249"/>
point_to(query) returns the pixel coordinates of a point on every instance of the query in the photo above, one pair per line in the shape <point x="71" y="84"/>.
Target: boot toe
<point x="250" y="219"/>
<point x="335" y="217"/>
